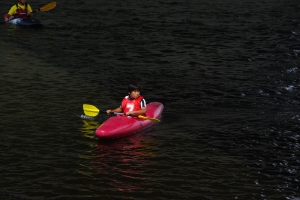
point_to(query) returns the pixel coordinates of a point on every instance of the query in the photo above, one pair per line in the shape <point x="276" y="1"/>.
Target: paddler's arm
<point x="29" y="11"/>
<point x="11" y="12"/>
<point x="117" y="110"/>
<point x="8" y="17"/>
<point x="137" y="112"/>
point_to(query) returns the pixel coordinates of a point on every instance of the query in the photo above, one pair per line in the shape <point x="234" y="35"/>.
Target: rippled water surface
<point x="227" y="73"/>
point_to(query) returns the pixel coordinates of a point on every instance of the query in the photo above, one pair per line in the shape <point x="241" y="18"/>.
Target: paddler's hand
<point x="6" y="19"/>
<point x="29" y="14"/>
<point x="129" y="113"/>
<point x="108" y="111"/>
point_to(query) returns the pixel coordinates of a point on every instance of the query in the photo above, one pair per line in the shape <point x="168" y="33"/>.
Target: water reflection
<point x="89" y="128"/>
<point x="127" y="158"/>
<point x="120" y="163"/>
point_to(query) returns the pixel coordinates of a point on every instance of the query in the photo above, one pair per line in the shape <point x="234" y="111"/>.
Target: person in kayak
<point x="20" y="10"/>
<point x="133" y="103"/>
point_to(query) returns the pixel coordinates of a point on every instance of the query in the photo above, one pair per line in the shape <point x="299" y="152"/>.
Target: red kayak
<point x="121" y="125"/>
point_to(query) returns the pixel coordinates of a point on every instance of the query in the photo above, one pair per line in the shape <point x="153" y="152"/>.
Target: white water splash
<point x="86" y="117"/>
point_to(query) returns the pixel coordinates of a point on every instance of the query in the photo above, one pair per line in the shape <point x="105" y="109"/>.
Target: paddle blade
<point x="148" y="118"/>
<point x="90" y="110"/>
<point x="47" y="7"/>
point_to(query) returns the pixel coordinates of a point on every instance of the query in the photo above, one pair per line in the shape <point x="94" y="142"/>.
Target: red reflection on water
<point x="124" y="160"/>
<point x="121" y="164"/>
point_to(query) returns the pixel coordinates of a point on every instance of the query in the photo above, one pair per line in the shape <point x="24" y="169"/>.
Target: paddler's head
<point x="22" y="2"/>
<point x="134" y="90"/>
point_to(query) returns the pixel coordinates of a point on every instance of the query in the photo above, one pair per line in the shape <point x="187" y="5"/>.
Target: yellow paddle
<point x="90" y="110"/>
<point x="93" y="111"/>
<point x="47" y="7"/>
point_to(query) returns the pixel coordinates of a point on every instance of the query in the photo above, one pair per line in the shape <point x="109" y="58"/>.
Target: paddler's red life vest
<point x="20" y="12"/>
<point x="131" y="104"/>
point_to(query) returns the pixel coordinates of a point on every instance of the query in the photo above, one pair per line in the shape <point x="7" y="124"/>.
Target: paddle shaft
<point x="93" y="111"/>
<point x="115" y="113"/>
<point x="138" y="116"/>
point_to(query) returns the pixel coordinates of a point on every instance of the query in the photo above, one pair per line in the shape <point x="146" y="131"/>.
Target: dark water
<point x="226" y="71"/>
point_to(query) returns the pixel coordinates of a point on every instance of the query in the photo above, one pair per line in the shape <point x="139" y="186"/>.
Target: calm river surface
<point x="227" y="72"/>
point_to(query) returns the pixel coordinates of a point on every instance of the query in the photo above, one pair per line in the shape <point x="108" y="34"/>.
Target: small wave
<point x="293" y="198"/>
<point x="6" y="193"/>
<point x="294" y="69"/>
<point x="289" y="88"/>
